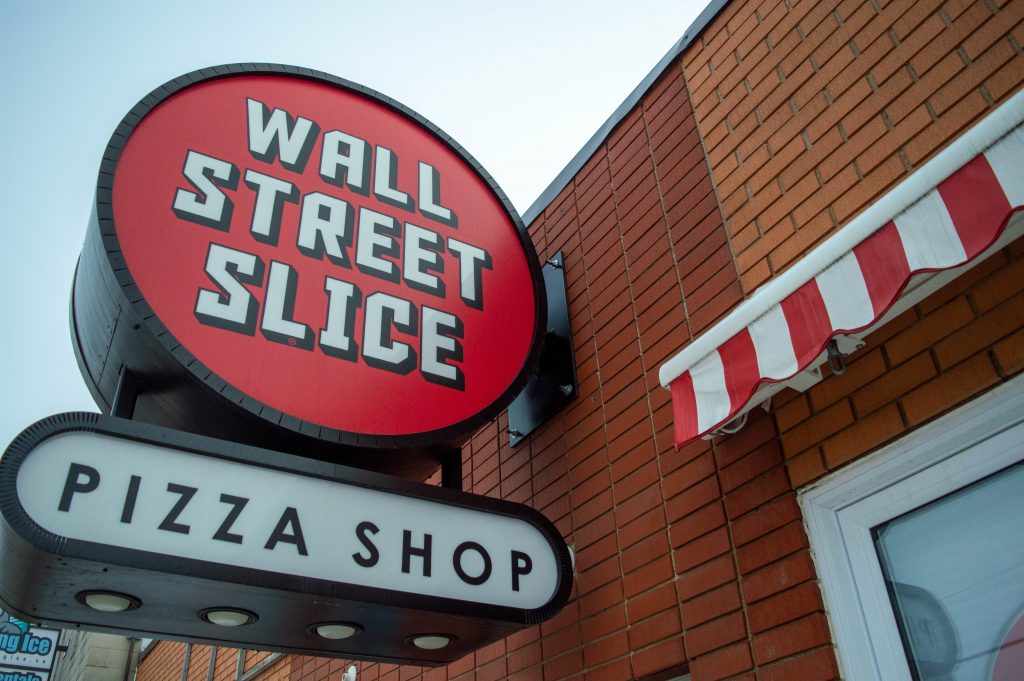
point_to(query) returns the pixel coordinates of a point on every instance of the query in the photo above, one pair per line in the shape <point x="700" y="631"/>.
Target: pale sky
<point x="521" y="85"/>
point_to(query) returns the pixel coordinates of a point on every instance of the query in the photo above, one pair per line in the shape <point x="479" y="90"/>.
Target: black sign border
<point x="15" y="515"/>
<point x="178" y="353"/>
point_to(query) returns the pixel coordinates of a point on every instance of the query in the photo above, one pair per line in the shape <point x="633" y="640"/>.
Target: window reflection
<point x="955" y="573"/>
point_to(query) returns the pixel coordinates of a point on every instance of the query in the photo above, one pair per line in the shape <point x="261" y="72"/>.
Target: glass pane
<point x="955" y="572"/>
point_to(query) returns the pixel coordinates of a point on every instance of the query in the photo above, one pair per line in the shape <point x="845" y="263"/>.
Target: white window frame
<point x="969" y="443"/>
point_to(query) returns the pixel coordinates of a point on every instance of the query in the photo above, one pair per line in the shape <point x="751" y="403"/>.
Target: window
<point x="920" y="549"/>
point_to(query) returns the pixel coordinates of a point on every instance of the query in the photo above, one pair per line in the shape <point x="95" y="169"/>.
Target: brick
<point x="862" y="368"/>
<point x="757" y="492"/>
<point x="758" y="431"/>
<point x="771" y="547"/>
<point x="594" y="577"/>
<point x="599" y="508"/>
<point x="894" y="383"/>
<point x="785" y="607"/>
<point x="805" y="467"/>
<point x="757" y="463"/>
<point x="972" y="77"/>
<point x="949" y="389"/>
<point x="791" y="638"/>
<point x="1004" y="283"/>
<point x="527" y="656"/>
<point x="493" y="671"/>
<point x="589" y="555"/>
<point x="563" y="666"/>
<point x="660" y="656"/>
<point x="765" y="519"/>
<point x="1006" y="80"/>
<point x="818" y="665"/>
<point x="817" y="428"/>
<point x="644" y="526"/>
<point x="715" y="634"/>
<point x="756" y="276"/>
<point x="638" y="504"/>
<point x="724" y="301"/>
<point x="651" y="602"/>
<point x="559" y="641"/>
<point x="612" y="671"/>
<point x="863" y="193"/>
<point x="779" y="576"/>
<point x="863" y="435"/>
<point x="613" y="646"/>
<point x="722" y="663"/>
<point x="706" y="577"/>
<point x="644" y="551"/>
<point x="983" y="332"/>
<point x="690" y="486"/>
<point x="813" y="218"/>
<point x="697" y="524"/>
<point x="1009" y="353"/>
<point x="661" y="626"/>
<point x="937" y="135"/>
<point x="964" y="284"/>
<point x="706" y="607"/>
<point x="701" y="550"/>
<point x="648" y="576"/>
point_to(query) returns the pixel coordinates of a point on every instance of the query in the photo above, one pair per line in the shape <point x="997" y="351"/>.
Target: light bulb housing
<point x="431" y="641"/>
<point x="335" y="631"/>
<point x="108" y="601"/>
<point x="228" y="617"/>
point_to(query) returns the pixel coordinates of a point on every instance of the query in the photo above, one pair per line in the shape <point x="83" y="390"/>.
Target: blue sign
<point x="24" y="650"/>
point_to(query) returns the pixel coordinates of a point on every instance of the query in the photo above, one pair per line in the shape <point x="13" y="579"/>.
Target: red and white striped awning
<point x="952" y="212"/>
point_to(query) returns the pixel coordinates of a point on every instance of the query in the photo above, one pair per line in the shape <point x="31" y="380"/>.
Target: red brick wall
<point x="805" y="113"/>
<point x="647" y="266"/>
<point x="162" y="663"/>
<point x="811" y="110"/>
<point x="165" y="660"/>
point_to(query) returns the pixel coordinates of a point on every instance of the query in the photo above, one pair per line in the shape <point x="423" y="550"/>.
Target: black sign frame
<point x="113" y="325"/>
<point x="42" y="572"/>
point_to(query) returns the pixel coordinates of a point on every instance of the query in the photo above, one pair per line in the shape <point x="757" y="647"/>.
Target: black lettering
<point x="223" y="532"/>
<point x="185" y="495"/>
<point x="289" y="519"/>
<point x="522" y="564"/>
<point x="408" y="551"/>
<point x="129" y="499"/>
<point x="457" y="563"/>
<point x="74" y="484"/>
<point x="362" y="530"/>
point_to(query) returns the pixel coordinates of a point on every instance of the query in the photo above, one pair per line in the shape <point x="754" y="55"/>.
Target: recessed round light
<point x="335" y="630"/>
<point x="108" y="601"/>
<point x="228" y="617"/>
<point x="431" y="641"/>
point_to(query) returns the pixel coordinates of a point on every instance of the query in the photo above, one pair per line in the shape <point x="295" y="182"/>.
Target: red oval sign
<point x="327" y="253"/>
